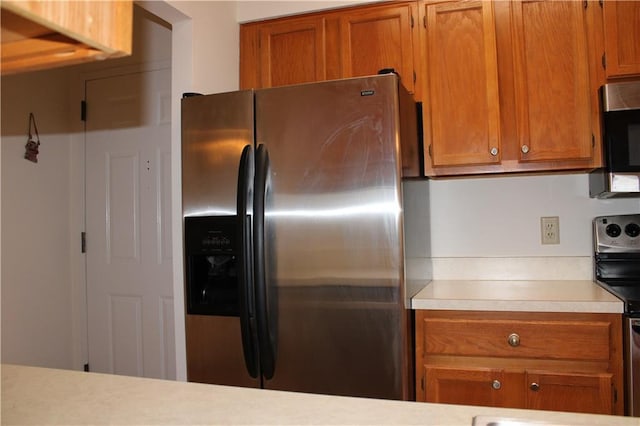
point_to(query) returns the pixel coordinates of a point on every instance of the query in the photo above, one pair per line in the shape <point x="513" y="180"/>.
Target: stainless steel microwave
<point x="620" y="176"/>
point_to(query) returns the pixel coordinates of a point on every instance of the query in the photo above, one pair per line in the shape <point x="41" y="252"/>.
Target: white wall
<point x="500" y="216"/>
<point x="214" y="45"/>
<point x="36" y="242"/>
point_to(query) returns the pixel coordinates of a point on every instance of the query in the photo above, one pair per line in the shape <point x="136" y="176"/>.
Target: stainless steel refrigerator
<point x="293" y="235"/>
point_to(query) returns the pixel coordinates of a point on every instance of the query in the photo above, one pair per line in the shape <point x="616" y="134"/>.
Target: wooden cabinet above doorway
<point x="45" y="34"/>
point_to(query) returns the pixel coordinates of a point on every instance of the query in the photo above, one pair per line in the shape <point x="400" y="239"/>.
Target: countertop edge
<point x="520" y="306"/>
<point x="35" y="395"/>
<point x="579" y="296"/>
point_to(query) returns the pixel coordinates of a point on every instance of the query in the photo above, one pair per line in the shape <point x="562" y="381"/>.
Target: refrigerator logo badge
<point x="367" y="92"/>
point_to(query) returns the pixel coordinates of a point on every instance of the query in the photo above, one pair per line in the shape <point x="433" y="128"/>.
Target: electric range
<point x="617" y="269"/>
<point x="617" y="257"/>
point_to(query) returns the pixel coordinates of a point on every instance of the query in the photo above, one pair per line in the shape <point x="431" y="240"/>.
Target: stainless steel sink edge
<point x="511" y="421"/>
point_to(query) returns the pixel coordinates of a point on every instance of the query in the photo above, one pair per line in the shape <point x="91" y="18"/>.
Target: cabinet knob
<point x="494" y="151"/>
<point x="525" y="149"/>
<point x="496" y="384"/>
<point x="534" y="387"/>
<point x="514" y="340"/>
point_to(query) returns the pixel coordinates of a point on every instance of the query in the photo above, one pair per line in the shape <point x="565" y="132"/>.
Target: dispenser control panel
<point x="211" y="265"/>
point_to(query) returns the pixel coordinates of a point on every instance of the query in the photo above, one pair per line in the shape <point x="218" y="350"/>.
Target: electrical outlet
<point x="550" y="230"/>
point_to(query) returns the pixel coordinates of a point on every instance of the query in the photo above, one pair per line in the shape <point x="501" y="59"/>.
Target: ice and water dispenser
<point x="212" y="262"/>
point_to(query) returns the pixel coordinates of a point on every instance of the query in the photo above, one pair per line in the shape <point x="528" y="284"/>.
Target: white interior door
<point x="128" y="217"/>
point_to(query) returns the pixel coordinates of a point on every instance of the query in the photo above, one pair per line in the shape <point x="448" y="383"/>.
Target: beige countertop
<point x="32" y="395"/>
<point x="513" y="295"/>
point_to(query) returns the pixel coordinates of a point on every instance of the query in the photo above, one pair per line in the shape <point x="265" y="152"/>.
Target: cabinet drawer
<point x="520" y="338"/>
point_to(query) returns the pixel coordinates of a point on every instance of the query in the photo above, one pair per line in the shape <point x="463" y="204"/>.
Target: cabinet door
<point x="473" y="386"/>
<point x="376" y="38"/>
<point x="461" y="110"/>
<point x="582" y="393"/>
<point x="622" y="37"/>
<point x="249" y="57"/>
<point x="292" y="51"/>
<point x="551" y="78"/>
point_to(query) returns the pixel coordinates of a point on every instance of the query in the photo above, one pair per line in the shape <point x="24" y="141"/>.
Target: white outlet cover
<point x="550" y="230"/>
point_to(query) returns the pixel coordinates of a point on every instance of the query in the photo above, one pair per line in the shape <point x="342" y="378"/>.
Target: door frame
<point x="181" y="81"/>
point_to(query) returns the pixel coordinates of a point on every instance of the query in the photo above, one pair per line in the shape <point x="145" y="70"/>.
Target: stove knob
<point x="632" y="229"/>
<point x="613" y="230"/>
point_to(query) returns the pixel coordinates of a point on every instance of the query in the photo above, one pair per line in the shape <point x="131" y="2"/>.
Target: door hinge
<point x="411" y="21"/>
<point x="86" y="367"/>
<point x="429" y="149"/>
<point x="593" y="140"/>
<point x="585" y="3"/>
<point x="604" y="61"/>
<point x="83" y="110"/>
<point x="83" y="242"/>
<point x="424" y="21"/>
<point x="601" y="2"/>
<point x="414" y="77"/>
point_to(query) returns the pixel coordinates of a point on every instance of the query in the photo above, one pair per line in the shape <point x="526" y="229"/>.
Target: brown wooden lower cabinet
<point x="519" y="360"/>
<point x="583" y="393"/>
<point x="587" y="393"/>
<point x="473" y="386"/>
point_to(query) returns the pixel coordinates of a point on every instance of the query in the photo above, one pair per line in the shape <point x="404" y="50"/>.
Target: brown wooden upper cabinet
<point x="507" y="87"/>
<point x="375" y="38"/>
<point x="622" y="38"/>
<point x="551" y="79"/>
<point x="283" y="52"/>
<point x="348" y="42"/>
<point x="461" y="108"/>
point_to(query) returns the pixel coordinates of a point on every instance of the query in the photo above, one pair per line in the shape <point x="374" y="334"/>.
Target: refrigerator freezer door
<point x="215" y="131"/>
<point x="333" y="238"/>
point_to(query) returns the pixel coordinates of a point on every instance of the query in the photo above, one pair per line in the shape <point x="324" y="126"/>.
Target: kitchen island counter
<point x="33" y="395"/>
<point x="510" y="295"/>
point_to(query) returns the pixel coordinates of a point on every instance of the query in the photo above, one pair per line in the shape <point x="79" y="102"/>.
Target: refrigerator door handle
<point x="245" y="287"/>
<point x="265" y="318"/>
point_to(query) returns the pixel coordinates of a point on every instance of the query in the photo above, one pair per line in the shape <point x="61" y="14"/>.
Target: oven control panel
<point x="617" y="234"/>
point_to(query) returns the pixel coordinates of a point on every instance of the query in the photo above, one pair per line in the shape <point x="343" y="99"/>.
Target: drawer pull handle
<point x="514" y="340"/>
<point x="534" y="387"/>
<point x="496" y="384"/>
